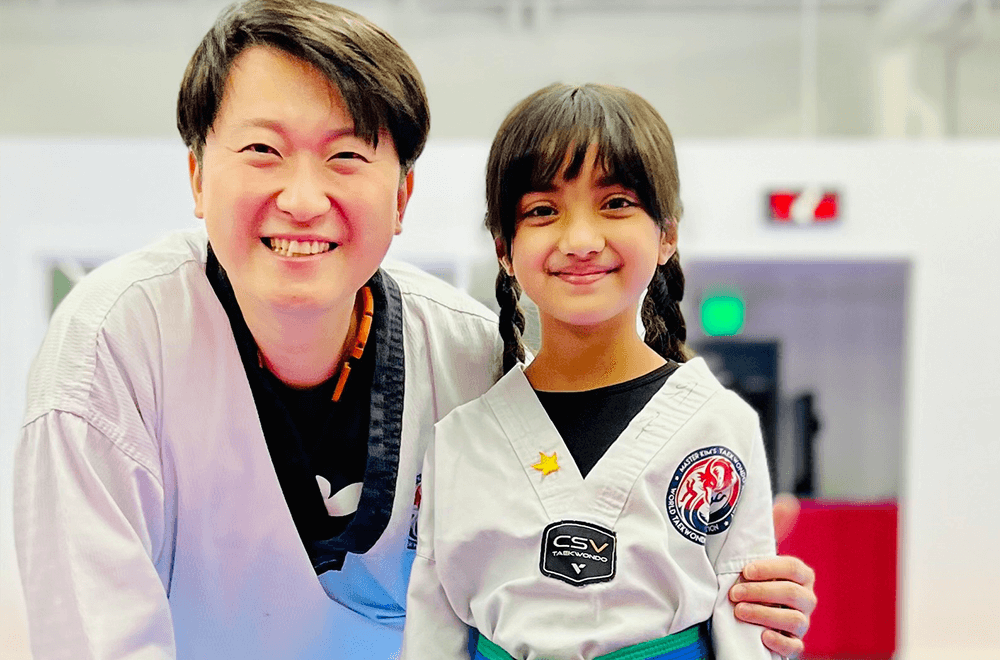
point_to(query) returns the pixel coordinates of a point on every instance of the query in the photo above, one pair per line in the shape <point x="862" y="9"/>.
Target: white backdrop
<point x="930" y="203"/>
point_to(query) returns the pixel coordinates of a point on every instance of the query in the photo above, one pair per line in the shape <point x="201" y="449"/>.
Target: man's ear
<point x="194" y="172"/>
<point x="502" y="257"/>
<point x="402" y="199"/>
<point x="668" y="242"/>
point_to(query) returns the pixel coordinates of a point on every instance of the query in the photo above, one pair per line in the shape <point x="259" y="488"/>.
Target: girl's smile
<point x="582" y="274"/>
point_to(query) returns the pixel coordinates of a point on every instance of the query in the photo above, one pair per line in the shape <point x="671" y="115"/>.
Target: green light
<point x="722" y="315"/>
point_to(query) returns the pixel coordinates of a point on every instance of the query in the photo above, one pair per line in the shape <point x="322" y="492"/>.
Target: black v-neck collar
<point x="288" y="454"/>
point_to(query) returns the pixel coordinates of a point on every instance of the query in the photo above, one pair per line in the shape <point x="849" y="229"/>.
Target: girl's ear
<point x="668" y="242"/>
<point x="502" y="257"/>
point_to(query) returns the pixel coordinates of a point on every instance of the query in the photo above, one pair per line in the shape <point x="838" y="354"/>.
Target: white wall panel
<point x="112" y="68"/>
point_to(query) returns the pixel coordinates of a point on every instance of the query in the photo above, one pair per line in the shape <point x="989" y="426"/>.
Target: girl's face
<point x="585" y="250"/>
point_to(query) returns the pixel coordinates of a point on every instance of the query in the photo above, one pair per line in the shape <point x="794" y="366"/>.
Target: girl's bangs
<point x="557" y="142"/>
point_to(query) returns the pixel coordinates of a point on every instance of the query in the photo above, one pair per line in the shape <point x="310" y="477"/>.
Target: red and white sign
<point x="808" y="206"/>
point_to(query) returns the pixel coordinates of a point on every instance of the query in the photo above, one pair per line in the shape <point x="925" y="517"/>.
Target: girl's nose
<point x="303" y="195"/>
<point x="581" y="235"/>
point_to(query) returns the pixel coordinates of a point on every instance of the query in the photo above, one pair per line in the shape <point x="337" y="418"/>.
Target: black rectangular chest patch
<point x="579" y="553"/>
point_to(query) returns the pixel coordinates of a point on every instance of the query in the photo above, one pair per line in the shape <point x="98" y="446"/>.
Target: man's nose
<point x="304" y="194"/>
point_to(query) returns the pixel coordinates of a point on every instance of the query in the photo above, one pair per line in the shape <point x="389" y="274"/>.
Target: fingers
<point x="781" y="568"/>
<point x="791" y="622"/>
<point x="786" y="647"/>
<point x="786" y="511"/>
<point x="776" y="595"/>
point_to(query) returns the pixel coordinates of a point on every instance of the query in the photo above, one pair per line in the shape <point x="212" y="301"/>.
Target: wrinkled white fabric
<point x="149" y="521"/>
<point x="485" y="509"/>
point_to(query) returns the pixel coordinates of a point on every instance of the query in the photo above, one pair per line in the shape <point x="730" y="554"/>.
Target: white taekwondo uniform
<point x="557" y="566"/>
<point x="149" y="519"/>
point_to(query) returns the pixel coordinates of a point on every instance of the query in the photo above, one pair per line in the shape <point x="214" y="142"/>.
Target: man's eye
<point x="349" y="155"/>
<point x="258" y="148"/>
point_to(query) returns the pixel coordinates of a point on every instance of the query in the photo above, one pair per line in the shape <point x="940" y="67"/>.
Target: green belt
<point x="695" y="643"/>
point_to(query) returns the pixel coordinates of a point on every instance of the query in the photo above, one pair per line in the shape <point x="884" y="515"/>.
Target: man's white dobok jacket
<point x="149" y="521"/>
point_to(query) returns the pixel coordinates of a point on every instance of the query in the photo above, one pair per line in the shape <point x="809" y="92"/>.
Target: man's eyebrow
<point x="277" y="127"/>
<point x="262" y="123"/>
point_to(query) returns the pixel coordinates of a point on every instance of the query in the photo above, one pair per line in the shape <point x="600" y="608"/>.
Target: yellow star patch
<point x="546" y="464"/>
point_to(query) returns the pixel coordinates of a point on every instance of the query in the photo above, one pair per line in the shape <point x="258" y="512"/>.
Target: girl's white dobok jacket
<point x="547" y="564"/>
<point x="149" y="519"/>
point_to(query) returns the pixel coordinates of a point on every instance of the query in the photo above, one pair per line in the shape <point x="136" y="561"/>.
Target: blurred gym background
<point x="839" y="167"/>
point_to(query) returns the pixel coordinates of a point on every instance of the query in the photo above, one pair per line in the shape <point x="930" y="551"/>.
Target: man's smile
<point x="296" y="248"/>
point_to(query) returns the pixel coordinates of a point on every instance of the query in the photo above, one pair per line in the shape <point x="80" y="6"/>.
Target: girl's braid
<point x="661" y="311"/>
<point x="508" y="292"/>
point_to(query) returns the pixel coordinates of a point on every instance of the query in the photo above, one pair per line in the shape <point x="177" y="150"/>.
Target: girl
<point x="601" y="501"/>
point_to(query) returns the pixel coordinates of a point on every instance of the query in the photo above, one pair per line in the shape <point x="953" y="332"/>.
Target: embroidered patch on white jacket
<point x="579" y="553"/>
<point x="704" y="492"/>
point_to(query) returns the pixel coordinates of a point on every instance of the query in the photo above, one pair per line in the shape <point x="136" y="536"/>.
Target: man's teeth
<point x="287" y="248"/>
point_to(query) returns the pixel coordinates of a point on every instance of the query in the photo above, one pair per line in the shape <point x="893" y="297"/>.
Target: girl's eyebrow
<point x="548" y="187"/>
<point x="608" y="180"/>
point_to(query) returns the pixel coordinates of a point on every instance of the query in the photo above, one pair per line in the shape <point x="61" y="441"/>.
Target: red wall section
<point x="852" y="548"/>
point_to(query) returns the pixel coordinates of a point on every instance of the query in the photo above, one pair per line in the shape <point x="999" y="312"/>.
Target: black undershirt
<point x="589" y="422"/>
<point x="307" y="434"/>
<point x="334" y="435"/>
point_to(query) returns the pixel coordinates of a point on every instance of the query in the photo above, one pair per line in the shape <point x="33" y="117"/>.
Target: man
<point x="222" y="447"/>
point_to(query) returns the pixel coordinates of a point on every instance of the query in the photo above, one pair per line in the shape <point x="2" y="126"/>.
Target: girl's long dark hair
<point x="548" y="134"/>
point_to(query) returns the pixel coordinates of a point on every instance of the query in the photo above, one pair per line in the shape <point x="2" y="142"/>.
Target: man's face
<point x="300" y="211"/>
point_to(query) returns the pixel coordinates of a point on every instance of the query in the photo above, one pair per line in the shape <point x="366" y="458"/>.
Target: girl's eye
<point x="620" y="203"/>
<point x="258" y="148"/>
<point x="541" y="211"/>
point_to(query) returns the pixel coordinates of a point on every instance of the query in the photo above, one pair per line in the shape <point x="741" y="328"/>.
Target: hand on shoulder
<point x="778" y="593"/>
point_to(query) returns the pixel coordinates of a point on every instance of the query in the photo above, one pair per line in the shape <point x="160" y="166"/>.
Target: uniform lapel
<point x="600" y="498"/>
<point x="535" y="442"/>
<point x="609" y="483"/>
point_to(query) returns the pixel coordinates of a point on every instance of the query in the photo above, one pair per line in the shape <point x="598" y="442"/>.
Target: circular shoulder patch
<point x="704" y="492"/>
